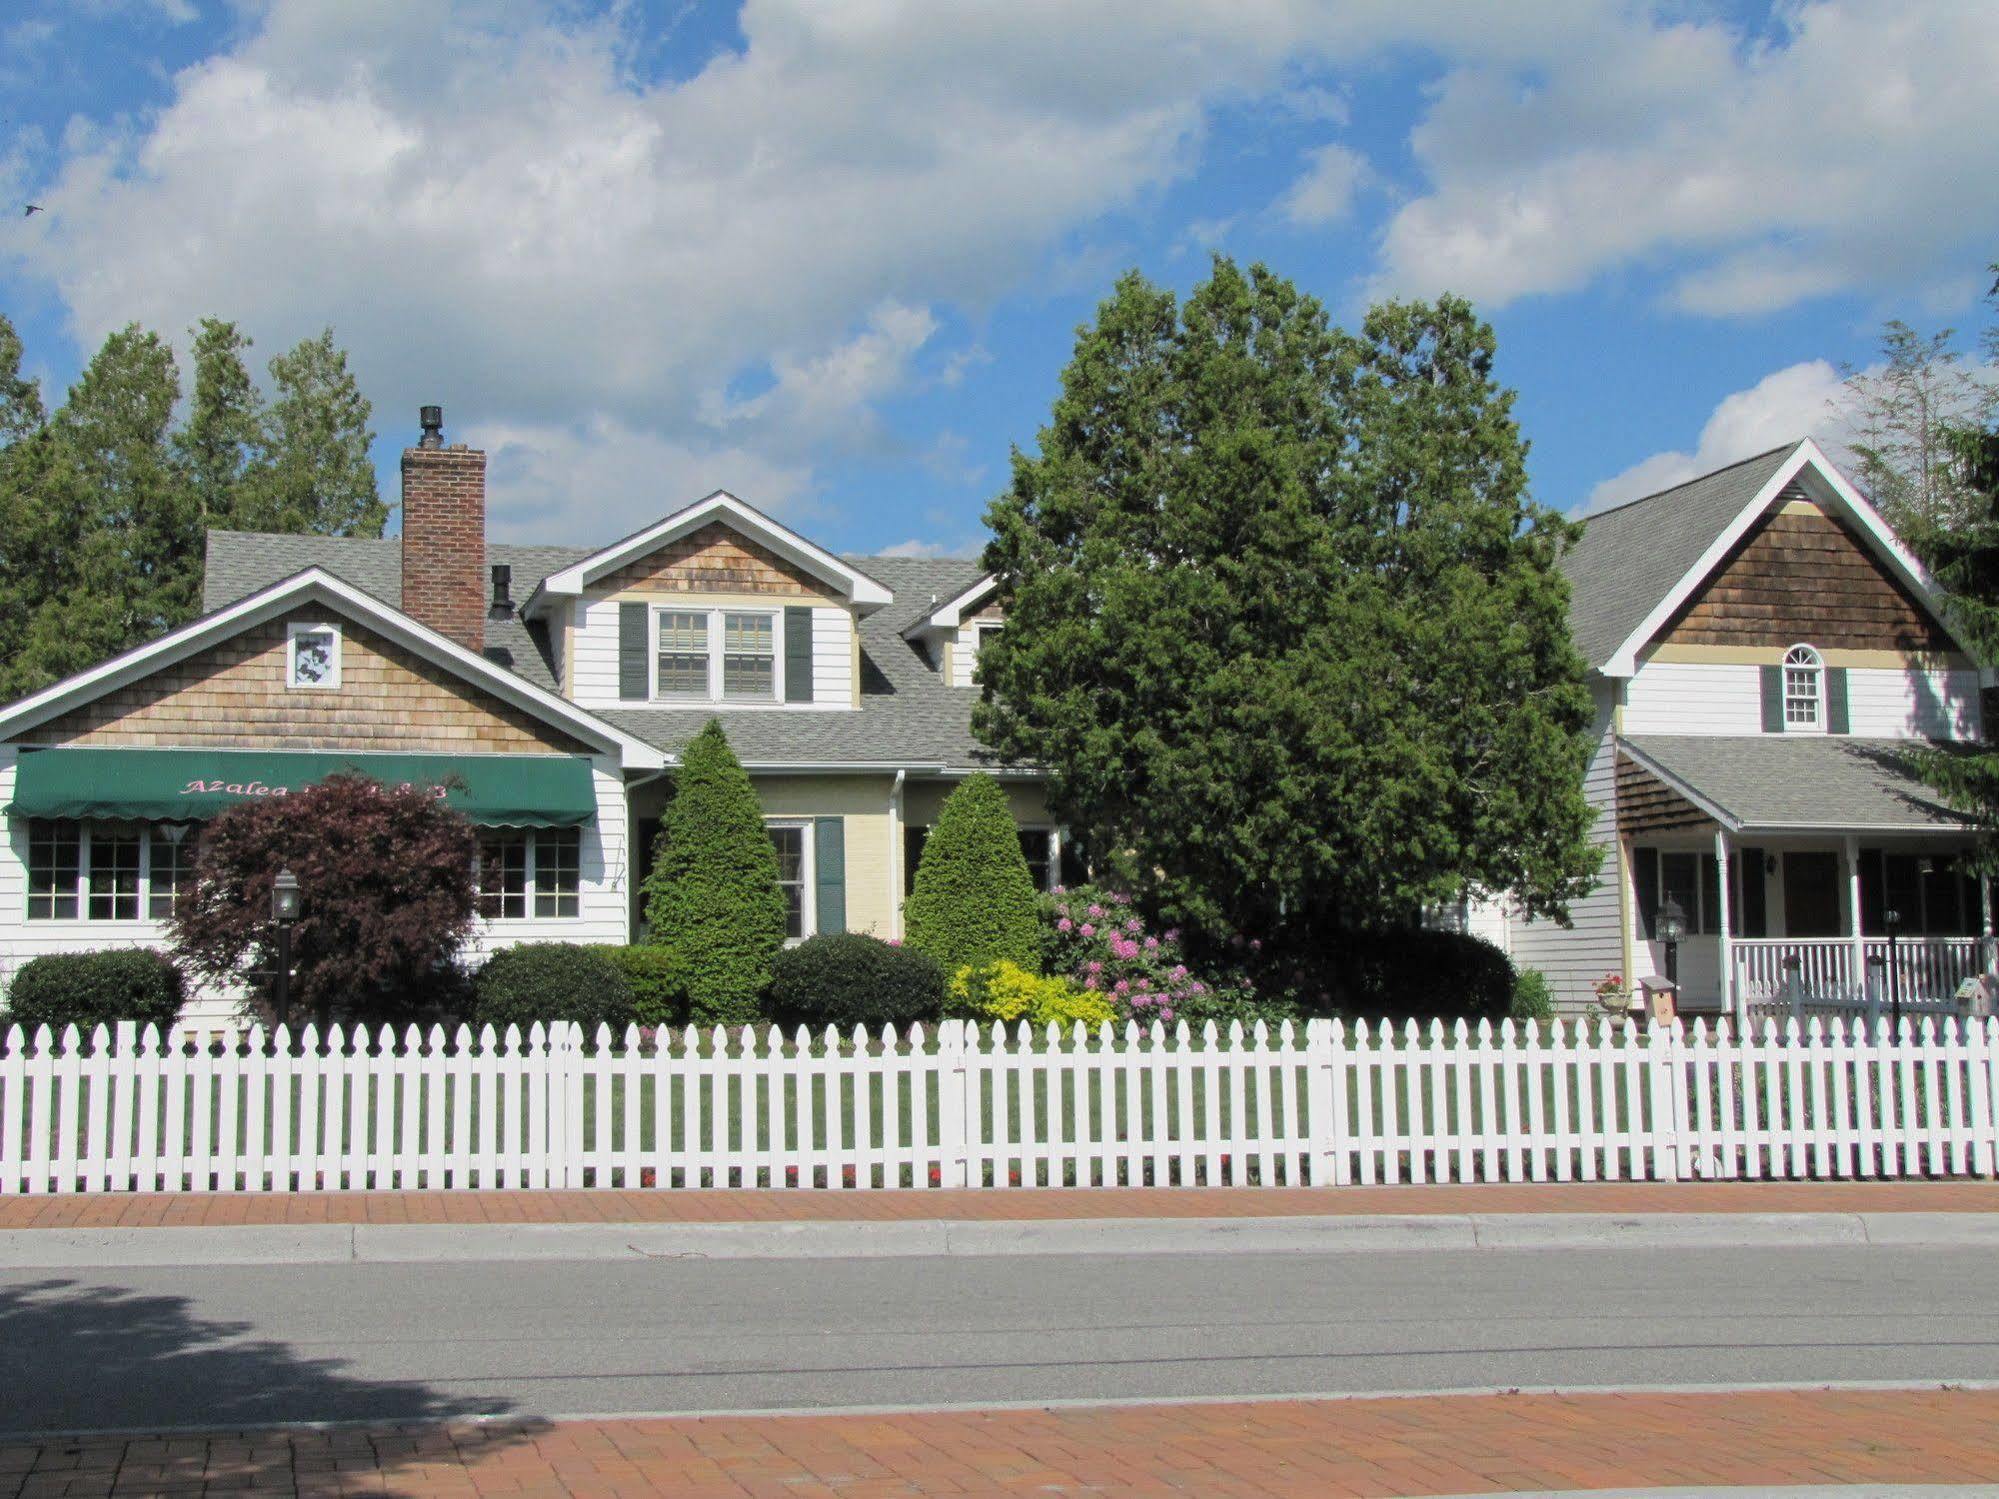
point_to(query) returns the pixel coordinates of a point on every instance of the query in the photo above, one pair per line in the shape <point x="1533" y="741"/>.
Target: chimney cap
<point x="502" y="606"/>
<point x="431" y="419"/>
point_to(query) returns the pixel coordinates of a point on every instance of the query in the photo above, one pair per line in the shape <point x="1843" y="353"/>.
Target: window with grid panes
<point x="113" y="881"/>
<point x="789" y="841"/>
<point x="503" y="875"/>
<point x="169" y="867"/>
<point x="749" y="656"/>
<point x="54" y="866"/>
<point x="683" y="653"/>
<point x="558" y="872"/>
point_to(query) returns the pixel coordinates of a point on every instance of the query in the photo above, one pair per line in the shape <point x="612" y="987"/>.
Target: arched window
<point x="1804" y="689"/>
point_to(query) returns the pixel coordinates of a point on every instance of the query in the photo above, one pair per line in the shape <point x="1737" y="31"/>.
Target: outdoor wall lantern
<point x="285" y="903"/>
<point x="1672" y="927"/>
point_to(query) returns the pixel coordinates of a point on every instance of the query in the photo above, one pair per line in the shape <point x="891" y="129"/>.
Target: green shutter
<point x="1838" y="717"/>
<point x="1773" y="699"/>
<point x="634" y="675"/>
<point x="1645" y="882"/>
<point x="797" y="654"/>
<point x="829" y="872"/>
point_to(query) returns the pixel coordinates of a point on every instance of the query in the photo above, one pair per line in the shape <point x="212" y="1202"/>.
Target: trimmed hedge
<point x="87" y="989"/>
<point x="656" y="1000"/>
<point x="712" y="897"/>
<point x="552" y="981"/>
<point x="973" y="902"/>
<point x="848" y="979"/>
<point x="1418" y="974"/>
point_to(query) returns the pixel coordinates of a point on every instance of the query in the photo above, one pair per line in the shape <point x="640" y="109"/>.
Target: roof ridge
<point x="1713" y="473"/>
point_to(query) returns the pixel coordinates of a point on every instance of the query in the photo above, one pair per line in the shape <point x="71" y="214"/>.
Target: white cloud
<point x="1749" y="171"/>
<point x="594" y="482"/>
<point x="812" y="397"/>
<point x="1326" y="190"/>
<point x="1802" y="400"/>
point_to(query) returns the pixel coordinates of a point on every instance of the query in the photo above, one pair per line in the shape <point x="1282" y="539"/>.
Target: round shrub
<point x="848" y="979"/>
<point x="547" y="981"/>
<point x="657" y="998"/>
<point x="87" y="989"/>
<point x="973" y="901"/>
<point x="1413" y="973"/>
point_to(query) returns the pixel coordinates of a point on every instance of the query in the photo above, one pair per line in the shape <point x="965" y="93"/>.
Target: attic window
<point x="312" y="657"/>
<point x="1804" y="690"/>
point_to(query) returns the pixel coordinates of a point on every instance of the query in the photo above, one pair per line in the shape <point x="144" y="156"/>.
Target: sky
<point x="831" y="255"/>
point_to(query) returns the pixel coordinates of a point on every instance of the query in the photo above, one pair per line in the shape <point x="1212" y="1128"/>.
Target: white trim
<point x="949" y="616"/>
<point x="316" y="585"/>
<point x="298" y="627"/>
<point x="1820" y="706"/>
<point x="570" y="581"/>
<point x="1623" y="661"/>
<point x="808" y="874"/>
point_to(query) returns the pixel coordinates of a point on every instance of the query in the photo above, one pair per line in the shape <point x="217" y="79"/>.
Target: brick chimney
<point x="444" y="534"/>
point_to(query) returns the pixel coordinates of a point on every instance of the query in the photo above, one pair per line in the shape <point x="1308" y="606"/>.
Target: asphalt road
<point x="97" y="1349"/>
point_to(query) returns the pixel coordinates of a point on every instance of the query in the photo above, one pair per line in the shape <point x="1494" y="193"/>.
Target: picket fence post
<point x="953" y="1083"/>
<point x="1979" y="1082"/>
<point x="565" y="1104"/>
<point x="1324" y="1053"/>
<point x="1670" y="1159"/>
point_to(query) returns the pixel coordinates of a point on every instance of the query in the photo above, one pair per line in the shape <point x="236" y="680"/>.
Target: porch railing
<point x="1926" y="970"/>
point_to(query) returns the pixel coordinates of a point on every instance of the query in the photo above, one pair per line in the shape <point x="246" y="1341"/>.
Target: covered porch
<point x="1848" y="886"/>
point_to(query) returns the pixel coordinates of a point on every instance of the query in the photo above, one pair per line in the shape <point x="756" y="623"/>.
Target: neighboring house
<point x="1763" y="652"/>
<point x="553" y="686"/>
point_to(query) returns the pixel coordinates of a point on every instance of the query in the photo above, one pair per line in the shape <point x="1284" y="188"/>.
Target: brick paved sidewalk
<point x="1412" y="1446"/>
<point x="162" y="1209"/>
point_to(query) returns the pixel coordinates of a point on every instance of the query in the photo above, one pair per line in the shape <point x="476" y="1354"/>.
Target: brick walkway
<point x="177" y="1210"/>
<point x="1416" y="1446"/>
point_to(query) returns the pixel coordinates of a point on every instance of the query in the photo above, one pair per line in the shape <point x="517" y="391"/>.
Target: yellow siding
<point x="863" y="802"/>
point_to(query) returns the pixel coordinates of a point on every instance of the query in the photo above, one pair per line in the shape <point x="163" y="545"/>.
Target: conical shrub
<point x="973" y="902"/>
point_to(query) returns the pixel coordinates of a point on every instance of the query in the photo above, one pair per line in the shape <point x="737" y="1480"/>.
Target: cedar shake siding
<point x="234" y="695"/>
<point x="1802" y="575"/>
<point x="444" y="541"/>
<point x="714" y="559"/>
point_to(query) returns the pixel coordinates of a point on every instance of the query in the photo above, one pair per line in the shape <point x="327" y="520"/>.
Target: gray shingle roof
<point x="1630" y="556"/>
<point x="908" y="716"/>
<point x="1777" y="781"/>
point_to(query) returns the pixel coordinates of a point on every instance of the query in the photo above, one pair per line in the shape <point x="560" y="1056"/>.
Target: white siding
<point x="1890" y="704"/>
<point x="832" y="658"/>
<point x="596" y="684"/>
<point x="596" y="654"/>
<point x="1677" y="697"/>
<point x="602" y="918"/>
<point x="1575" y="957"/>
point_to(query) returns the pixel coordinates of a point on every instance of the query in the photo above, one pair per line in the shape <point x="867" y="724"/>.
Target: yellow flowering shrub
<point x="1006" y="991"/>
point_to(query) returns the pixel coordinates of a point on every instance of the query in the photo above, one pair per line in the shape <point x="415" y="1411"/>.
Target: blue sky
<point x="830" y="254"/>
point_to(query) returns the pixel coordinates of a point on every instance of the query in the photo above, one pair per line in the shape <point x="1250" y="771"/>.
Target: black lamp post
<point x="1672" y="928"/>
<point x="284" y="911"/>
<point x="1892" y="920"/>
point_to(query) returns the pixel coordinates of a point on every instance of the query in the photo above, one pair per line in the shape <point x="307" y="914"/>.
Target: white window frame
<point x="293" y="631"/>
<point x="808" y="904"/>
<point x="529" y="892"/>
<point x="1054" y="875"/>
<point x="716" y="614"/>
<point x="1815" y="664"/>
<point x="85" y="842"/>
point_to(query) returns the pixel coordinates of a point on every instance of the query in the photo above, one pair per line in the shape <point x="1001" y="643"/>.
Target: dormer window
<point x="717" y="655"/>
<point x="1804" y="691"/>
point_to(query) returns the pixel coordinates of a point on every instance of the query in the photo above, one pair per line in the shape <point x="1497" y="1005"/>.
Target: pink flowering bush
<point x="1096" y="938"/>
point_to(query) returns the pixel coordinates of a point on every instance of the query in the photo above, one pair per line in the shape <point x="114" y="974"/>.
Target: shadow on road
<point x="78" y="1358"/>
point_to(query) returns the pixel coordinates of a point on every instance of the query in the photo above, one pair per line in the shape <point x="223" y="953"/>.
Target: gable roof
<point x="909" y="716"/>
<point x="570" y="580"/>
<point x="315" y="585"/>
<point x="1638" y="562"/>
<point x="1788" y="782"/>
<point x="950" y="614"/>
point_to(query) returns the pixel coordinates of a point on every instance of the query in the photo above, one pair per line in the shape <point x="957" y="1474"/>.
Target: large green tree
<point x="1283" y="622"/>
<point x="105" y="504"/>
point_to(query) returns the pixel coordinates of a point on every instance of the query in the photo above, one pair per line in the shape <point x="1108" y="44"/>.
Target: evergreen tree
<point x="313" y="473"/>
<point x="712" y="898"/>
<point x="1283" y="623"/>
<point x="224" y="422"/>
<point x="20" y="398"/>
<point x="973" y="900"/>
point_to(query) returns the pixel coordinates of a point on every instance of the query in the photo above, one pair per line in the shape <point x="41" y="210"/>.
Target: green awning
<point x="525" y="791"/>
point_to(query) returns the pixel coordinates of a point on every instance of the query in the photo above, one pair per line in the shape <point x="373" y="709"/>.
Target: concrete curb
<point x="385" y="1243"/>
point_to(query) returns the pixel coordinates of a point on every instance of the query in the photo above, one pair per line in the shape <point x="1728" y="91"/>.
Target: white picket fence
<point x="961" y="1105"/>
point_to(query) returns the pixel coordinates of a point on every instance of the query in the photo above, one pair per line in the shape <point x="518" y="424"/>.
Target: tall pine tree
<point x="1282" y="621"/>
<point x="313" y="473"/>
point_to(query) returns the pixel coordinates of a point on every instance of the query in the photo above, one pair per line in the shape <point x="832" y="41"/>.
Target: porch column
<point x="1859" y="938"/>
<point x="1985" y="953"/>
<point x="1732" y="997"/>
<point x="895" y="855"/>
